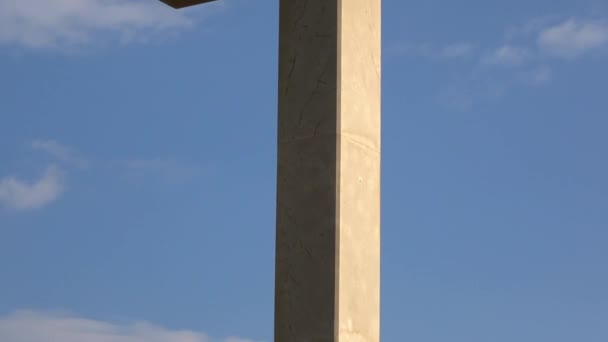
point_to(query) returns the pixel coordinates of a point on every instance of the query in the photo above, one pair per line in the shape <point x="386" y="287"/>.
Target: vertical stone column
<point x="327" y="284"/>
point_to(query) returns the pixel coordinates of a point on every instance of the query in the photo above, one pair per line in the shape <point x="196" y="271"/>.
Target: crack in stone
<point x="320" y="82"/>
<point x="299" y="18"/>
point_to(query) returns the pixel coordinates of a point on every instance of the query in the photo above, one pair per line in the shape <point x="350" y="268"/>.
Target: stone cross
<point x="327" y="272"/>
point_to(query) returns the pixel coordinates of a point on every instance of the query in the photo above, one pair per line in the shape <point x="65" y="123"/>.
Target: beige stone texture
<point x="358" y="224"/>
<point x="328" y="181"/>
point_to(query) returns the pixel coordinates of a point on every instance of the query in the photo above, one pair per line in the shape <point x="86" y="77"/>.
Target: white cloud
<point x="61" y="23"/>
<point x="538" y="76"/>
<point x="457" y="50"/>
<point x="507" y="55"/>
<point x="573" y="38"/>
<point x="27" y="326"/>
<point x="30" y="326"/>
<point x="530" y="28"/>
<point x="525" y="56"/>
<point x="60" y="152"/>
<point x="23" y="195"/>
<point x="237" y="339"/>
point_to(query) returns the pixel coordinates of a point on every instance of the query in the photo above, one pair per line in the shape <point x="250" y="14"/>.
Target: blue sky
<point x="137" y="164"/>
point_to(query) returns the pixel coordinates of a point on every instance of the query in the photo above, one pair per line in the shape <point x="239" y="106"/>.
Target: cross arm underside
<point x="184" y="3"/>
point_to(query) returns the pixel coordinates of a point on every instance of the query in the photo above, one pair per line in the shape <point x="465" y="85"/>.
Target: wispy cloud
<point x="537" y="40"/>
<point x="507" y="55"/>
<point x="60" y="152"/>
<point x="18" y="194"/>
<point x="538" y="76"/>
<point x="237" y="339"/>
<point x="68" y="23"/>
<point x="574" y="37"/>
<point x="524" y="56"/>
<point x="167" y="169"/>
<point x="30" y="326"/>
<point x="457" y="50"/>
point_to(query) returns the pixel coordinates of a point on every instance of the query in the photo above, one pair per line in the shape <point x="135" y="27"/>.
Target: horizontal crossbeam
<point x="184" y="3"/>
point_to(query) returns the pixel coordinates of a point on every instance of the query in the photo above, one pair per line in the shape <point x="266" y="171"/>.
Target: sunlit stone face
<point x="184" y="3"/>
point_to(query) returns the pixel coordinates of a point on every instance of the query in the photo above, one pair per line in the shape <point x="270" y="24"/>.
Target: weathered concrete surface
<point x="328" y="186"/>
